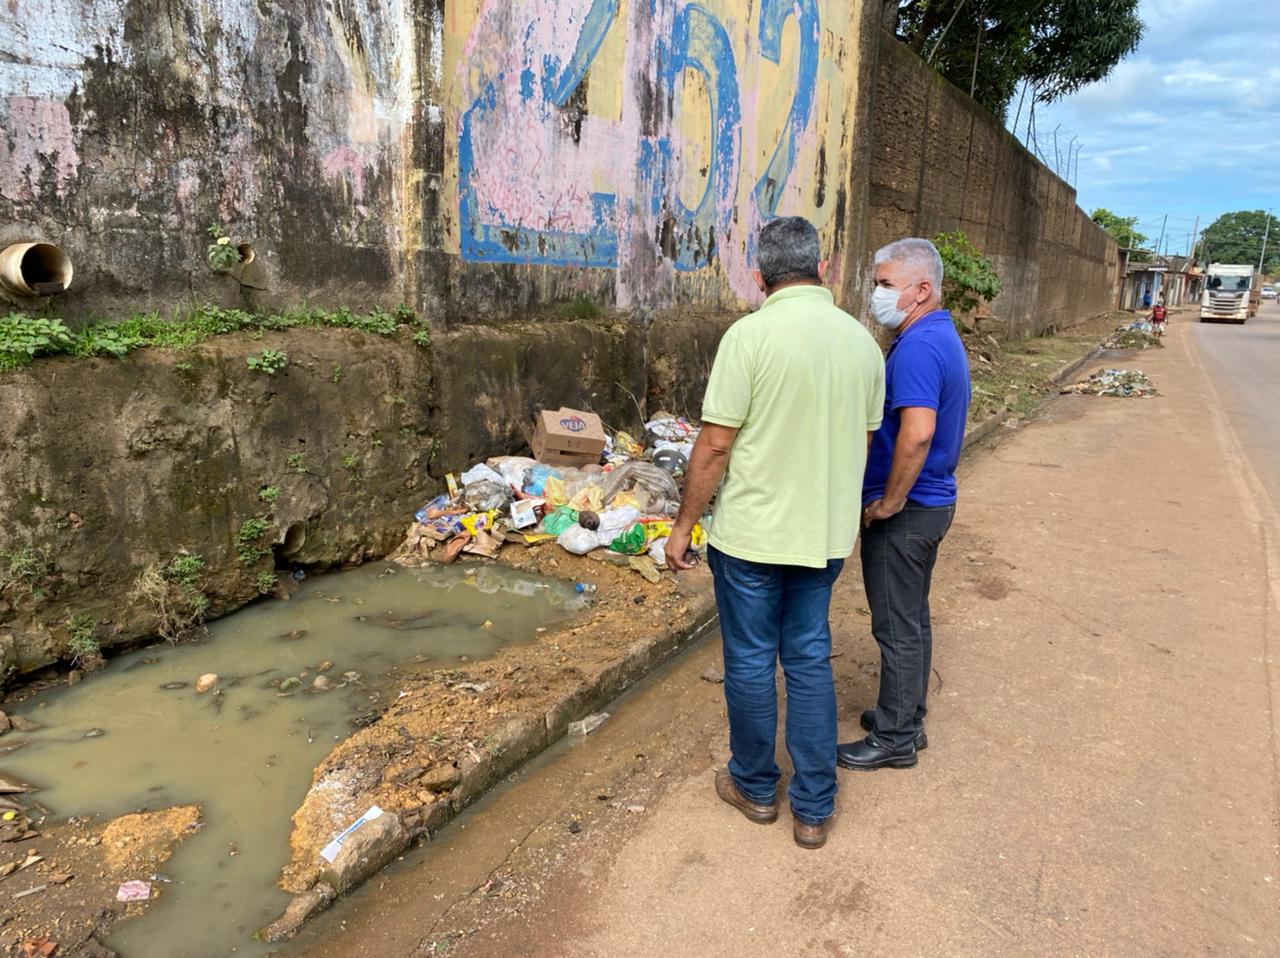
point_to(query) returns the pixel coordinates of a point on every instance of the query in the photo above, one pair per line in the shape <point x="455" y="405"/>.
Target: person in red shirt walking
<point x="1158" y="316"/>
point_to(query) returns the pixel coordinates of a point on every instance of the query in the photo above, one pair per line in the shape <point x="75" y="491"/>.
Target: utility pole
<point x="1195" y="236"/>
<point x="1265" y="233"/>
<point x="1161" y="239"/>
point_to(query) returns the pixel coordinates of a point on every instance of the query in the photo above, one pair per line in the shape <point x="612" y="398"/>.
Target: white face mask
<point x="884" y="306"/>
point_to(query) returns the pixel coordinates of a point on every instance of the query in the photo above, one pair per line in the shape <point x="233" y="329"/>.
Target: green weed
<point x="269" y="494"/>
<point x="270" y="362"/>
<point x="249" y="550"/>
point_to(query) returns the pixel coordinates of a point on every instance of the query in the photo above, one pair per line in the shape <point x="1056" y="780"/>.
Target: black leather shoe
<point x="922" y="740"/>
<point x="870" y="754"/>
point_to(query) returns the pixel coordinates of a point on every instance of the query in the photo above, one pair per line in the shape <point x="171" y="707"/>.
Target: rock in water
<point x="206" y="682"/>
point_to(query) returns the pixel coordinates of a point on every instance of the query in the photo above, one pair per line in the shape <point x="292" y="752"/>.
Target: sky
<point x="1189" y="124"/>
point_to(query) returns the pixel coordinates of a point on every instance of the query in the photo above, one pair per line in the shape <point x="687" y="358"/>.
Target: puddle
<point x="138" y="736"/>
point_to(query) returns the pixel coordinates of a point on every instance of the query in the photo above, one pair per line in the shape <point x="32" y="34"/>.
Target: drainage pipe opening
<point x="35" y="269"/>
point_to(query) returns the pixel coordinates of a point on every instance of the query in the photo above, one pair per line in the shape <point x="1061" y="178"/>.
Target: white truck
<point x="1231" y="293"/>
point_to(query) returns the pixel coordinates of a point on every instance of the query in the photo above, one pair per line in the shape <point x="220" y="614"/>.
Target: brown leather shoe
<point x="812" y="836"/>
<point x="728" y="792"/>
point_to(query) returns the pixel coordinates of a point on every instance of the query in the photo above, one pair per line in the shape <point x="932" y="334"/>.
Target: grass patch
<point x="24" y="338"/>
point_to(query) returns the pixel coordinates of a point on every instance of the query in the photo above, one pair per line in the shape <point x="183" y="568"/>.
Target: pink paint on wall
<point x="343" y="162"/>
<point x="37" y="139"/>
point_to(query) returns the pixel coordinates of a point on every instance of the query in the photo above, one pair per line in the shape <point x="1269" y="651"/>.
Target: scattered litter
<point x="38" y="947"/>
<point x="206" y="682"/>
<point x="321" y="683"/>
<point x="330" y="851"/>
<point x="60" y="878"/>
<point x="94" y="733"/>
<point x="473" y="686"/>
<point x="291" y="683"/>
<point x="174" y="686"/>
<point x="33" y="890"/>
<point x="1115" y="382"/>
<point x="635" y="809"/>
<point x="589" y="724"/>
<point x="1139" y="334"/>
<point x="585" y="488"/>
<point x="575" y="827"/>
<point x="134" y="891"/>
<point x="713" y="675"/>
<point x="487" y="624"/>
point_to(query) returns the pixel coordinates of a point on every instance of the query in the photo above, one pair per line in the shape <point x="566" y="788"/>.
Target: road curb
<point x="514" y="743"/>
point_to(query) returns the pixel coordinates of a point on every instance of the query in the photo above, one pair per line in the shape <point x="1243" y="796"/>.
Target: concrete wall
<point x="940" y="162"/>
<point x="476" y="159"/>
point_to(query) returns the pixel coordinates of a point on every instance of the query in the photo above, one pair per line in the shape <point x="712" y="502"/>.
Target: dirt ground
<point x="1102" y="770"/>
<point x="77" y="868"/>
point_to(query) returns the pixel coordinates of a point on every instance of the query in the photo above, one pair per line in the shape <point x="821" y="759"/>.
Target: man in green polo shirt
<point x="796" y="389"/>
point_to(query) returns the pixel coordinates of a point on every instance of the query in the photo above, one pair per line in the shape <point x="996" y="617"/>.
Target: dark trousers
<point x="898" y="555"/>
<point x="771" y="614"/>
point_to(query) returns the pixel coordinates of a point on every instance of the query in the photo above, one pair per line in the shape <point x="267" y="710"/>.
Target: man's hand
<point x="677" y="546"/>
<point x="879" y="509"/>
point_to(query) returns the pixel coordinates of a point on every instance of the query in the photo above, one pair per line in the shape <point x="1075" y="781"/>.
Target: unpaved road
<point x="1102" y="772"/>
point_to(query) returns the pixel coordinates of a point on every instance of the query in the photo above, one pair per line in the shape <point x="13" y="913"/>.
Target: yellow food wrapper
<point x="588" y="497"/>
<point x="479" y="520"/>
<point x="657" y="529"/>
<point x="555" y="493"/>
<point x="623" y="443"/>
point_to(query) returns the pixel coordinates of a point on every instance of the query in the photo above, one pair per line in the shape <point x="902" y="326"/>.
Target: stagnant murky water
<point x="138" y="736"/>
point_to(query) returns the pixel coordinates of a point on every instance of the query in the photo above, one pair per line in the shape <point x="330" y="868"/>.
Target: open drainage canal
<point x="138" y="736"/>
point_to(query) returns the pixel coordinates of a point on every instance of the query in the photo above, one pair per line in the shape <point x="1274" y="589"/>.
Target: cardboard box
<point x="567" y="437"/>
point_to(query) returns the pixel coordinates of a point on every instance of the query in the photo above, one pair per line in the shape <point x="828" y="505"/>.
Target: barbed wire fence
<point x="1058" y="148"/>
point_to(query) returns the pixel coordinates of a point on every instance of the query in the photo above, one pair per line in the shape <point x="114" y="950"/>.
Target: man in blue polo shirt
<point x="908" y="494"/>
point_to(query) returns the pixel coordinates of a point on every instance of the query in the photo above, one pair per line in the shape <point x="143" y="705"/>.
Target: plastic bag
<point x="613" y="522"/>
<point x="636" y="498"/>
<point x="554" y="491"/>
<point x="630" y="542"/>
<point x="672" y="429"/>
<point x="477" y="521"/>
<point x="642" y="475"/>
<point x="512" y="469"/>
<point x="488" y="494"/>
<point x="578" y="540"/>
<point x="658" y="551"/>
<point x="589" y="496"/>
<point x="481" y="473"/>
<point x="556" y="522"/>
<point x="536" y="476"/>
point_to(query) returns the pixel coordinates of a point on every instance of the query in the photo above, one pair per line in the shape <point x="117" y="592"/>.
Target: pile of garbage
<point x="1128" y="383"/>
<point x="1139" y="334"/>
<point x="613" y="493"/>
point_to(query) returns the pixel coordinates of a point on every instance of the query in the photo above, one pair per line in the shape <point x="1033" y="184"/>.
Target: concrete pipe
<point x="35" y="269"/>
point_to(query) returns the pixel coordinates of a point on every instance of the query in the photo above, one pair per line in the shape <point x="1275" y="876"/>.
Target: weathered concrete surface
<point x="470" y="158"/>
<point x="942" y="162"/>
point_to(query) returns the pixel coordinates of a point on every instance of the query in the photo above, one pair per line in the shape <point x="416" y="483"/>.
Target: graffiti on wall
<point x="718" y="128"/>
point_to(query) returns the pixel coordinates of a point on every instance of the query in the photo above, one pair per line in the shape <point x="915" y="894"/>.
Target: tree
<point x="988" y="47"/>
<point x="1237" y="238"/>
<point x="1121" y="228"/>
<point x="968" y="278"/>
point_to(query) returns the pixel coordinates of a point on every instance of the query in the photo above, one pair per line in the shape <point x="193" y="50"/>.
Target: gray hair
<point x="918" y="256"/>
<point x="788" y="251"/>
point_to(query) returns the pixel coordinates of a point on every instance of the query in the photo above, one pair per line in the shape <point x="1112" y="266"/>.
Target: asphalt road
<point x="1102" y="772"/>
<point x="1244" y="364"/>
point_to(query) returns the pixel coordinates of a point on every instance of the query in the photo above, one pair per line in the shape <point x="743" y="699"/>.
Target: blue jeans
<point x="772" y="613"/>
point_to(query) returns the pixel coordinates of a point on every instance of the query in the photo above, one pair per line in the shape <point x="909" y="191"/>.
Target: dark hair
<point x="788" y="251"/>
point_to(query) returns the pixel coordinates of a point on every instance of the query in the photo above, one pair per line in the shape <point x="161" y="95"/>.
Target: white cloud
<point x="1190" y="123"/>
